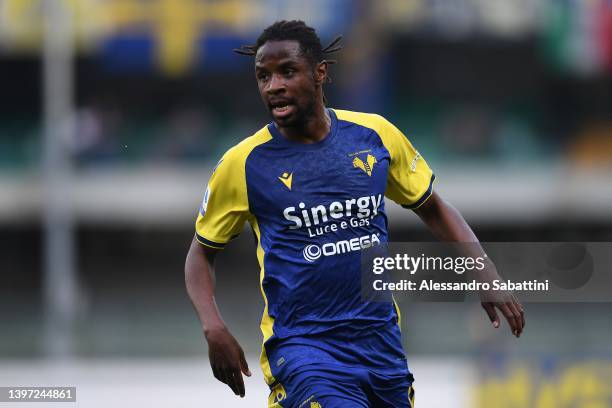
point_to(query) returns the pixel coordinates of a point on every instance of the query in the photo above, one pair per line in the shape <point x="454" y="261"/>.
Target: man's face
<point x="286" y="82"/>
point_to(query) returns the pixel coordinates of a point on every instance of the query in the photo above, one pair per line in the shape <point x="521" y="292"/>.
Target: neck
<point x="313" y="130"/>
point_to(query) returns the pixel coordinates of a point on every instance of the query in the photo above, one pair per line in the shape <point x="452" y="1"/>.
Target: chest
<point x="329" y="180"/>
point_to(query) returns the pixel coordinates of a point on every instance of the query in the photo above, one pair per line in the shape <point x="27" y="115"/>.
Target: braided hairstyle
<point x="295" y="30"/>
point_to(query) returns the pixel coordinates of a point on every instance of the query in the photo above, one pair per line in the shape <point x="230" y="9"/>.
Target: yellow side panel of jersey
<point x="267" y="321"/>
<point x="225" y="206"/>
<point x="409" y="181"/>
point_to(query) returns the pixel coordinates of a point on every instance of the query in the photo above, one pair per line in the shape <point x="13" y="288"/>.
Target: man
<point x="315" y="176"/>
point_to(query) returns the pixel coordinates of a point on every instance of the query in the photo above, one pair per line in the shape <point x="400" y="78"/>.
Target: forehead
<point x="279" y="51"/>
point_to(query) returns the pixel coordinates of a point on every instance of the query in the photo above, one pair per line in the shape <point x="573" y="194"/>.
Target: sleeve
<point x="410" y="180"/>
<point x="225" y="205"/>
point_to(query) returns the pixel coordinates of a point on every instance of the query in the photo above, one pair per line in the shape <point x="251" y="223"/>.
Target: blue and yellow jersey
<point x="313" y="207"/>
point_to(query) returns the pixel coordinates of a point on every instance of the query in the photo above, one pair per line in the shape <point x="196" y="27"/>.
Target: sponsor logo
<point x="361" y="207"/>
<point x="313" y="252"/>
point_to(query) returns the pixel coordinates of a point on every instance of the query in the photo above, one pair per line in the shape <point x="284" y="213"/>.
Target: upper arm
<point x="202" y="252"/>
<point x="431" y="208"/>
<point x="410" y="179"/>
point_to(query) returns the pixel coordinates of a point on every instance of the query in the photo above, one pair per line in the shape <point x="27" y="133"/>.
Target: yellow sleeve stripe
<point x="424" y="197"/>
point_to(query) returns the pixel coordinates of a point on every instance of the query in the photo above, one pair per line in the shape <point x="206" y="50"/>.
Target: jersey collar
<point x="307" y="146"/>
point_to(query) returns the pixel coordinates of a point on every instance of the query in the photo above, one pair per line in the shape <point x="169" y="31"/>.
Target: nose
<point x="276" y="84"/>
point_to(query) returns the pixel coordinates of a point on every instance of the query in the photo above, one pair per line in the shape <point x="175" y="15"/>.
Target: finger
<point x="520" y="315"/>
<point x="521" y="310"/>
<point x="488" y="307"/>
<point x="217" y="373"/>
<point x="227" y="379"/>
<point x="517" y="317"/>
<point x="237" y="384"/>
<point x="230" y="383"/>
<point x="243" y="365"/>
<point x="503" y="307"/>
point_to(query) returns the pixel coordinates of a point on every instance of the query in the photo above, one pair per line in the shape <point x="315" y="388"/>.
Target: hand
<point x="511" y="309"/>
<point x="227" y="359"/>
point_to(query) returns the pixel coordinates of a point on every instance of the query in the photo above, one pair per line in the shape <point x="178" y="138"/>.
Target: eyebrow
<point x="283" y="64"/>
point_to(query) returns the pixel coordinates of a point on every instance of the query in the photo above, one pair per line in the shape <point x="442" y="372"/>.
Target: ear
<point x="320" y="72"/>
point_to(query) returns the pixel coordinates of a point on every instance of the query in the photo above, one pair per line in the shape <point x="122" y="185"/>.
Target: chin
<point x="285" y="122"/>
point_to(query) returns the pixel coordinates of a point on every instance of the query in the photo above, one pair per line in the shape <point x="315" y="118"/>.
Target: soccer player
<point x="312" y="185"/>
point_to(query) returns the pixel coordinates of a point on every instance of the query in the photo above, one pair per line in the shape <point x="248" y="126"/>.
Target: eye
<point x="289" y="72"/>
<point x="263" y="76"/>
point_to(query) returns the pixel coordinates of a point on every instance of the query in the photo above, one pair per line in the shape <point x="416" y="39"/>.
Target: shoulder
<point x="237" y="155"/>
<point x="229" y="175"/>
<point x="378" y="123"/>
<point x="373" y="121"/>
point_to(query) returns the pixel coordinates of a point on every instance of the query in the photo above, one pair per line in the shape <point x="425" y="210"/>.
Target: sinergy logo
<point x="313" y="252"/>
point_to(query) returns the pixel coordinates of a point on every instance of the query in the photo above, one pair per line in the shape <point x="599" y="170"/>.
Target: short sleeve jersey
<point x="313" y="208"/>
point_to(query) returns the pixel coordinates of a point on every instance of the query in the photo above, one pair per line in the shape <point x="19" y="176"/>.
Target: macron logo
<point x="286" y="179"/>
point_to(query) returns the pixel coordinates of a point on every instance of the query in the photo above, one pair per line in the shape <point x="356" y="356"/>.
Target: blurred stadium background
<point x="114" y="112"/>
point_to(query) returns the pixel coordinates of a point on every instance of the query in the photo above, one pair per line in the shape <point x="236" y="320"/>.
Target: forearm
<point x="447" y="224"/>
<point x="227" y="358"/>
<point x="199" y="281"/>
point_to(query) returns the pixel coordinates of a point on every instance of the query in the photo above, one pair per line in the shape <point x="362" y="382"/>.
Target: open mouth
<point x="282" y="109"/>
